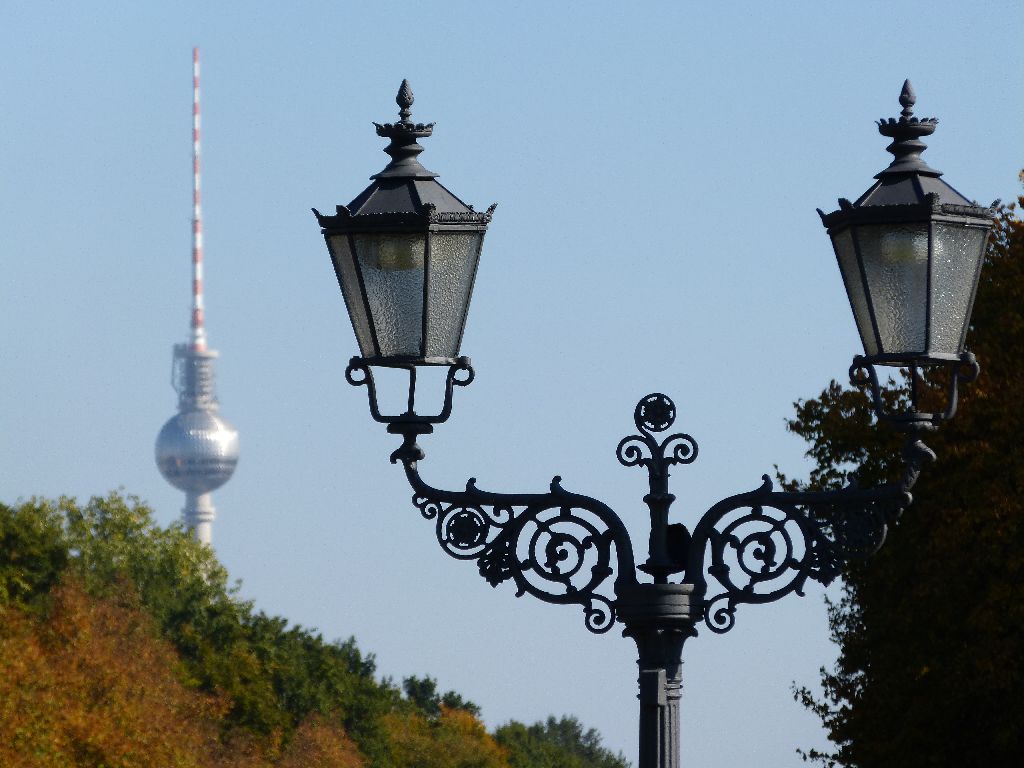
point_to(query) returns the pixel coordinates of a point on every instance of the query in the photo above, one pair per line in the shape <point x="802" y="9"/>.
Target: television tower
<point x="196" y="450"/>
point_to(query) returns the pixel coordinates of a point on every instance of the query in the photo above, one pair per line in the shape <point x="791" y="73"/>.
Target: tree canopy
<point x="929" y="671"/>
<point x="122" y="643"/>
<point x="556" y="743"/>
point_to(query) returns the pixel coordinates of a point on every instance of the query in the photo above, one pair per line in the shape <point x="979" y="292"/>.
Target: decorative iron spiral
<point x="764" y="545"/>
<point x="547" y="547"/>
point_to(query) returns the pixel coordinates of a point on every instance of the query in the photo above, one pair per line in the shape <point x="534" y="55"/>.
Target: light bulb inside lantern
<point x="399" y="253"/>
<point x="904" y="246"/>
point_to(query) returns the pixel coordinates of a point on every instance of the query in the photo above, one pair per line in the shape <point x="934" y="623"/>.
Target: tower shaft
<point x="193" y="379"/>
<point x="198" y="515"/>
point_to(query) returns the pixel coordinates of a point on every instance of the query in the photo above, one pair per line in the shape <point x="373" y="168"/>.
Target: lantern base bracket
<point x="359" y="373"/>
<point x="924" y="369"/>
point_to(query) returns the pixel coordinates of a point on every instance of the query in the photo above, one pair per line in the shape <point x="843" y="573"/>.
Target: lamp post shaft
<point x="659" y="618"/>
<point x="660" y="682"/>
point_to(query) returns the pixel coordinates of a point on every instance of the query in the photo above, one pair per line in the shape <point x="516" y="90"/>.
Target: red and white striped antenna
<point x="198" y="341"/>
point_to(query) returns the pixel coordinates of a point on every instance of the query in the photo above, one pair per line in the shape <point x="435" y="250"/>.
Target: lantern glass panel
<point x="895" y="261"/>
<point x="392" y="269"/>
<point x="850" y="269"/>
<point x="958" y="250"/>
<point x="453" y="260"/>
<point x="344" y="267"/>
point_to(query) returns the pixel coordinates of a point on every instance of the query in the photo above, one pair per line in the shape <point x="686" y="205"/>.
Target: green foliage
<point x="180" y="583"/>
<point x="33" y="552"/>
<point x="422" y="693"/>
<point x="929" y="629"/>
<point x="311" y="677"/>
<point x="556" y="743"/>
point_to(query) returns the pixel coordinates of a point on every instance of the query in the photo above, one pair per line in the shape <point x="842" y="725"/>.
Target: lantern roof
<point x="405" y="194"/>
<point x="908" y="179"/>
<point x="909" y="188"/>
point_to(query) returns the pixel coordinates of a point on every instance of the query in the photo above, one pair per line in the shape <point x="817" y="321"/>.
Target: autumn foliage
<point x="91" y="683"/>
<point x="454" y="739"/>
<point x="122" y="646"/>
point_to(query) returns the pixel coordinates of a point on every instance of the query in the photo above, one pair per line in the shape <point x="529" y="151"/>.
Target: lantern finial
<point x="907" y="99"/>
<point x="403" y="134"/>
<point x="906" y="133"/>
<point x="404" y="99"/>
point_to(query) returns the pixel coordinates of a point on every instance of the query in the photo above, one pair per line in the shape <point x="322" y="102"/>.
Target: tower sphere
<point x="197" y="451"/>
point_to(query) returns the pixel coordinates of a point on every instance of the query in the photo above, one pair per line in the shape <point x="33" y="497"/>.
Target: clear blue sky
<point x="657" y="167"/>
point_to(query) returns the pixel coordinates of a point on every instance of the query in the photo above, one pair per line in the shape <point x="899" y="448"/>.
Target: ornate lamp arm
<point x="760" y="546"/>
<point x="753" y="547"/>
<point x="558" y="546"/>
<point x="915" y="422"/>
<point x="961" y="371"/>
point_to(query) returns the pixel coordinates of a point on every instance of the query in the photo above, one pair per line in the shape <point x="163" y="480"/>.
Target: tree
<point x="320" y="744"/>
<point x="122" y="643"/>
<point x="91" y="684"/>
<point x="33" y="552"/>
<point x="422" y="693"/>
<point x="454" y="739"/>
<point x="270" y="676"/>
<point x="329" y="682"/>
<point x="929" y="629"/>
<point x="556" y="743"/>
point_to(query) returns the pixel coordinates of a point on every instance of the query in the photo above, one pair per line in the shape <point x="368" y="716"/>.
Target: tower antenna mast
<point x="198" y="321"/>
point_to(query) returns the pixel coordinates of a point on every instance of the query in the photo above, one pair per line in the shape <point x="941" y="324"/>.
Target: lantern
<point x="910" y="251"/>
<point x="405" y="252"/>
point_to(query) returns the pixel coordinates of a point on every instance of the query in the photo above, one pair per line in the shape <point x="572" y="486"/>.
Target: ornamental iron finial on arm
<point x="909" y="250"/>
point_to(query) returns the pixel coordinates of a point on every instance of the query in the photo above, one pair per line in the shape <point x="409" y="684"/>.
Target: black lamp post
<point x="405" y="252"/>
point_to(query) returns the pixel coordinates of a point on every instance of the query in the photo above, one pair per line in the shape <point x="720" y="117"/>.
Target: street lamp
<point x="405" y="252"/>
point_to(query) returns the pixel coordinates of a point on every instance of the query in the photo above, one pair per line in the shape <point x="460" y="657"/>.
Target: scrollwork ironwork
<point x="558" y="546"/>
<point x="565" y="548"/>
<point x="760" y="546"/>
